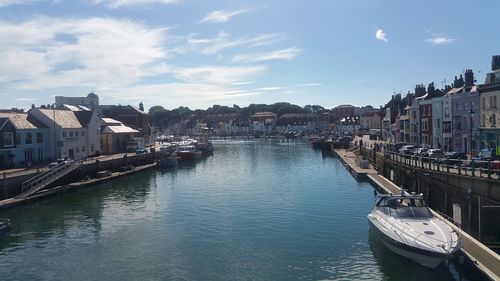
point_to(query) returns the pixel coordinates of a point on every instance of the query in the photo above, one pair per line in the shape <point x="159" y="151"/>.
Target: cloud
<point x="223" y="75"/>
<point x="439" y="39"/>
<point x="222" y="16"/>
<point x="4" y="3"/>
<point x="74" y="52"/>
<point x="309" y="85"/>
<point x="113" y="4"/>
<point x="270" y="88"/>
<point x="210" y="46"/>
<point x="284" y="54"/>
<point x="380" y="35"/>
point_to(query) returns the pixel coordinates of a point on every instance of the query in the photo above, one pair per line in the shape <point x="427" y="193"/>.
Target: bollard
<point x="459" y="167"/>
<point x="472" y="167"/>
<point x="489" y="169"/>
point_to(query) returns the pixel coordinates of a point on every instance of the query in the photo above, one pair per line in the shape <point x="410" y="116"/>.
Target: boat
<point x="406" y="226"/>
<point x="5" y="226"/>
<point x="188" y="153"/>
<point x="205" y="147"/>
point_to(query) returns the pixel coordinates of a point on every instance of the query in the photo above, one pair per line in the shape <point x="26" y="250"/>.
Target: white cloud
<point x="439" y="39"/>
<point x="270" y="89"/>
<point x="380" y="35"/>
<point x="4" y="3"/>
<point x="75" y="52"/>
<point x="284" y="54"/>
<point x="121" y="3"/>
<point x="222" y="16"/>
<point x="210" y="46"/>
<point x="309" y="85"/>
<point x="222" y="75"/>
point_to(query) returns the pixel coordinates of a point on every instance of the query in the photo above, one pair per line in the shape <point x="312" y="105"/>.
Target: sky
<point x="199" y="53"/>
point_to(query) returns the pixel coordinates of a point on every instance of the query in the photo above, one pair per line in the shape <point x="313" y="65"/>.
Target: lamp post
<point x="471" y="115"/>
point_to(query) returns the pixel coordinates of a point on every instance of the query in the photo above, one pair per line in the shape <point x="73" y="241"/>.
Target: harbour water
<point x="255" y="210"/>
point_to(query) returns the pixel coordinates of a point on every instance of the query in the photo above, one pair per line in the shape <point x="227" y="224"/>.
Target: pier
<point x="484" y="258"/>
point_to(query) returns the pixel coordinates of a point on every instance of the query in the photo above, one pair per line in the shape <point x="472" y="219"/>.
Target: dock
<point x="484" y="258"/>
<point x="17" y="201"/>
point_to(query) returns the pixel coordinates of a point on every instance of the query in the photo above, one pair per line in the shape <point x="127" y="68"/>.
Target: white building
<point x="73" y="134"/>
<point x="90" y="101"/>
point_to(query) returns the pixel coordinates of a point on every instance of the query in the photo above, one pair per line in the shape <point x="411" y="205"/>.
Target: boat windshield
<point x="407" y="208"/>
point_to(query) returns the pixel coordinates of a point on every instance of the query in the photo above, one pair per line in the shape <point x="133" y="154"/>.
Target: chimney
<point x="459" y="82"/>
<point x="469" y="78"/>
<point x="419" y="90"/>
<point x="495" y="62"/>
<point x="430" y="90"/>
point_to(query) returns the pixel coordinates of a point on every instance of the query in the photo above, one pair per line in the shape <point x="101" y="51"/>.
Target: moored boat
<point x="188" y="153"/>
<point x="168" y="162"/>
<point x="406" y="226"/>
<point x="5" y="226"/>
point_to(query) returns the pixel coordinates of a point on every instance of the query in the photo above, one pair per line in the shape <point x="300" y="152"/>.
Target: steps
<point x="42" y="180"/>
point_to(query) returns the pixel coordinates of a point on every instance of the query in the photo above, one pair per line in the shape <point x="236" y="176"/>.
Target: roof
<point x="454" y="91"/>
<point x="121" y="129"/>
<point x="76" y="107"/>
<point x="293" y="115"/>
<point x="264" y="113"/>
<point x="110" y="121"/>
<point x="84" y="117"/>
<point x="63" y="118"/>
<point x="19" y="120"/>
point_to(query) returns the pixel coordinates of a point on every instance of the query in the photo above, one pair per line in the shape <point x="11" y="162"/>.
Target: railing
<point x="474" y="168"/>
<point x="43" y="179"/>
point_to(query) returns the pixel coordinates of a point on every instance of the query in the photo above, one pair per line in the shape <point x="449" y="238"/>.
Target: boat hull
<point x="423" y="257"/>
<point x="188" y="155"/>
<point x="169" y="162"/>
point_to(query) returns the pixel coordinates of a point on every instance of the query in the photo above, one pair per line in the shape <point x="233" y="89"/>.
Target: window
<point x="438" y="123"/>
<point x="39" y="137"/>
<point x="465" y="122"/>
<point x="493" y="120"/>
<point x="447" y="112"/>
<point x="8" y="139"/>
<point x="18" y="139"/>
<point x="483" y="101"/>
<point x="83" y="133"/>
<point x="70" y="133"/>
<point x="83" y="148"/>
<point x="482" y="120"/>
<point x="77" y="149"/>
<point x="457" y="123"/>
<point x="494" y="102"/>
<point x="29" y="138"/>
<point x="77" y="133"/>
<point x="64" y="134"/>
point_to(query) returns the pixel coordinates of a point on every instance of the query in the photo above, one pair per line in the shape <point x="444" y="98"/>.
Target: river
<point x="255" y="210"/>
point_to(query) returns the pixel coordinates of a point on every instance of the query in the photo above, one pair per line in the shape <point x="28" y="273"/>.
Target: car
<point x="452" y="157"/>
<point x="406" y="149"/>
<point x="59" y="161"/>
<point x="140" y="150"/>
<point x="434" y="153"/>
<point x="421" y="151"/>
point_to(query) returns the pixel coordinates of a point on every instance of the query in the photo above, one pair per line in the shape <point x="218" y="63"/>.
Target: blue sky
<point x="200" y="53"/>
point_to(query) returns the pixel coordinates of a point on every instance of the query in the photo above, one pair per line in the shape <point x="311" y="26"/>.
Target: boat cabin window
<point x="405" y="207"/>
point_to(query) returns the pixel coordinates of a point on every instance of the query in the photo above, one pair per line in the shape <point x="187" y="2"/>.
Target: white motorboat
<point x="407" y="227"/>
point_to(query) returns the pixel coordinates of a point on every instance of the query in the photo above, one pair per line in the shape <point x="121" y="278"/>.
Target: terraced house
<point x="24" y="140"/>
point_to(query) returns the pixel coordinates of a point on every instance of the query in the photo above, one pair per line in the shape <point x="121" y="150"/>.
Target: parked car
<point x="140" y="150"/>
<point x="420" y="151"/>
<point x="434" y="153"/>
<point x="452" y="157"/>
<point x="59" y="161"/>
<point x="406" y="149"/>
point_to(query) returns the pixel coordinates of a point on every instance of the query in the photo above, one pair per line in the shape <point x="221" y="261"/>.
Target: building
<point x="299" y="122"/>
<point x="130" y="116"/>
<point x="466" y="116"/>
<point x="91" y="101"/>
<point x="342" y="111"/>
<point x="404" y="125"/>
<point x="263" y="122"/>
<point x="489" y="112"/>
<point x="415" y="115"/>
<point x="115" y="136"/>
<point x="73" y="134"/>
<point x="24" y="141"/>
<point x="386" y="125"/>
<point x="348" y="125"/>
<point x="447" y="118"/>
<point x="370" y="121"/>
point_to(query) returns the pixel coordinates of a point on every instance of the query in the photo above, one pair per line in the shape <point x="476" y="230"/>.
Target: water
<point x="255" y="210"/>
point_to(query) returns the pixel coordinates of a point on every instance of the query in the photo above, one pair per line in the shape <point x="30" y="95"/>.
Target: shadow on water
<point x="397" y="268"/>
<point x="58" y="216"/>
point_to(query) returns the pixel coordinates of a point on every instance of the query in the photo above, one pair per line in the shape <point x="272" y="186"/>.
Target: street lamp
<point x="471" y="115"/>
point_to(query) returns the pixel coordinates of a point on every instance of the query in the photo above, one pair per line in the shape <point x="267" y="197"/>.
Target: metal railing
<point x="43" y="179"/>
<point x="474" y="168"/>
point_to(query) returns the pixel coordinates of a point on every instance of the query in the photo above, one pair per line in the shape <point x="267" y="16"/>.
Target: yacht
<point x="406" y="226"/>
